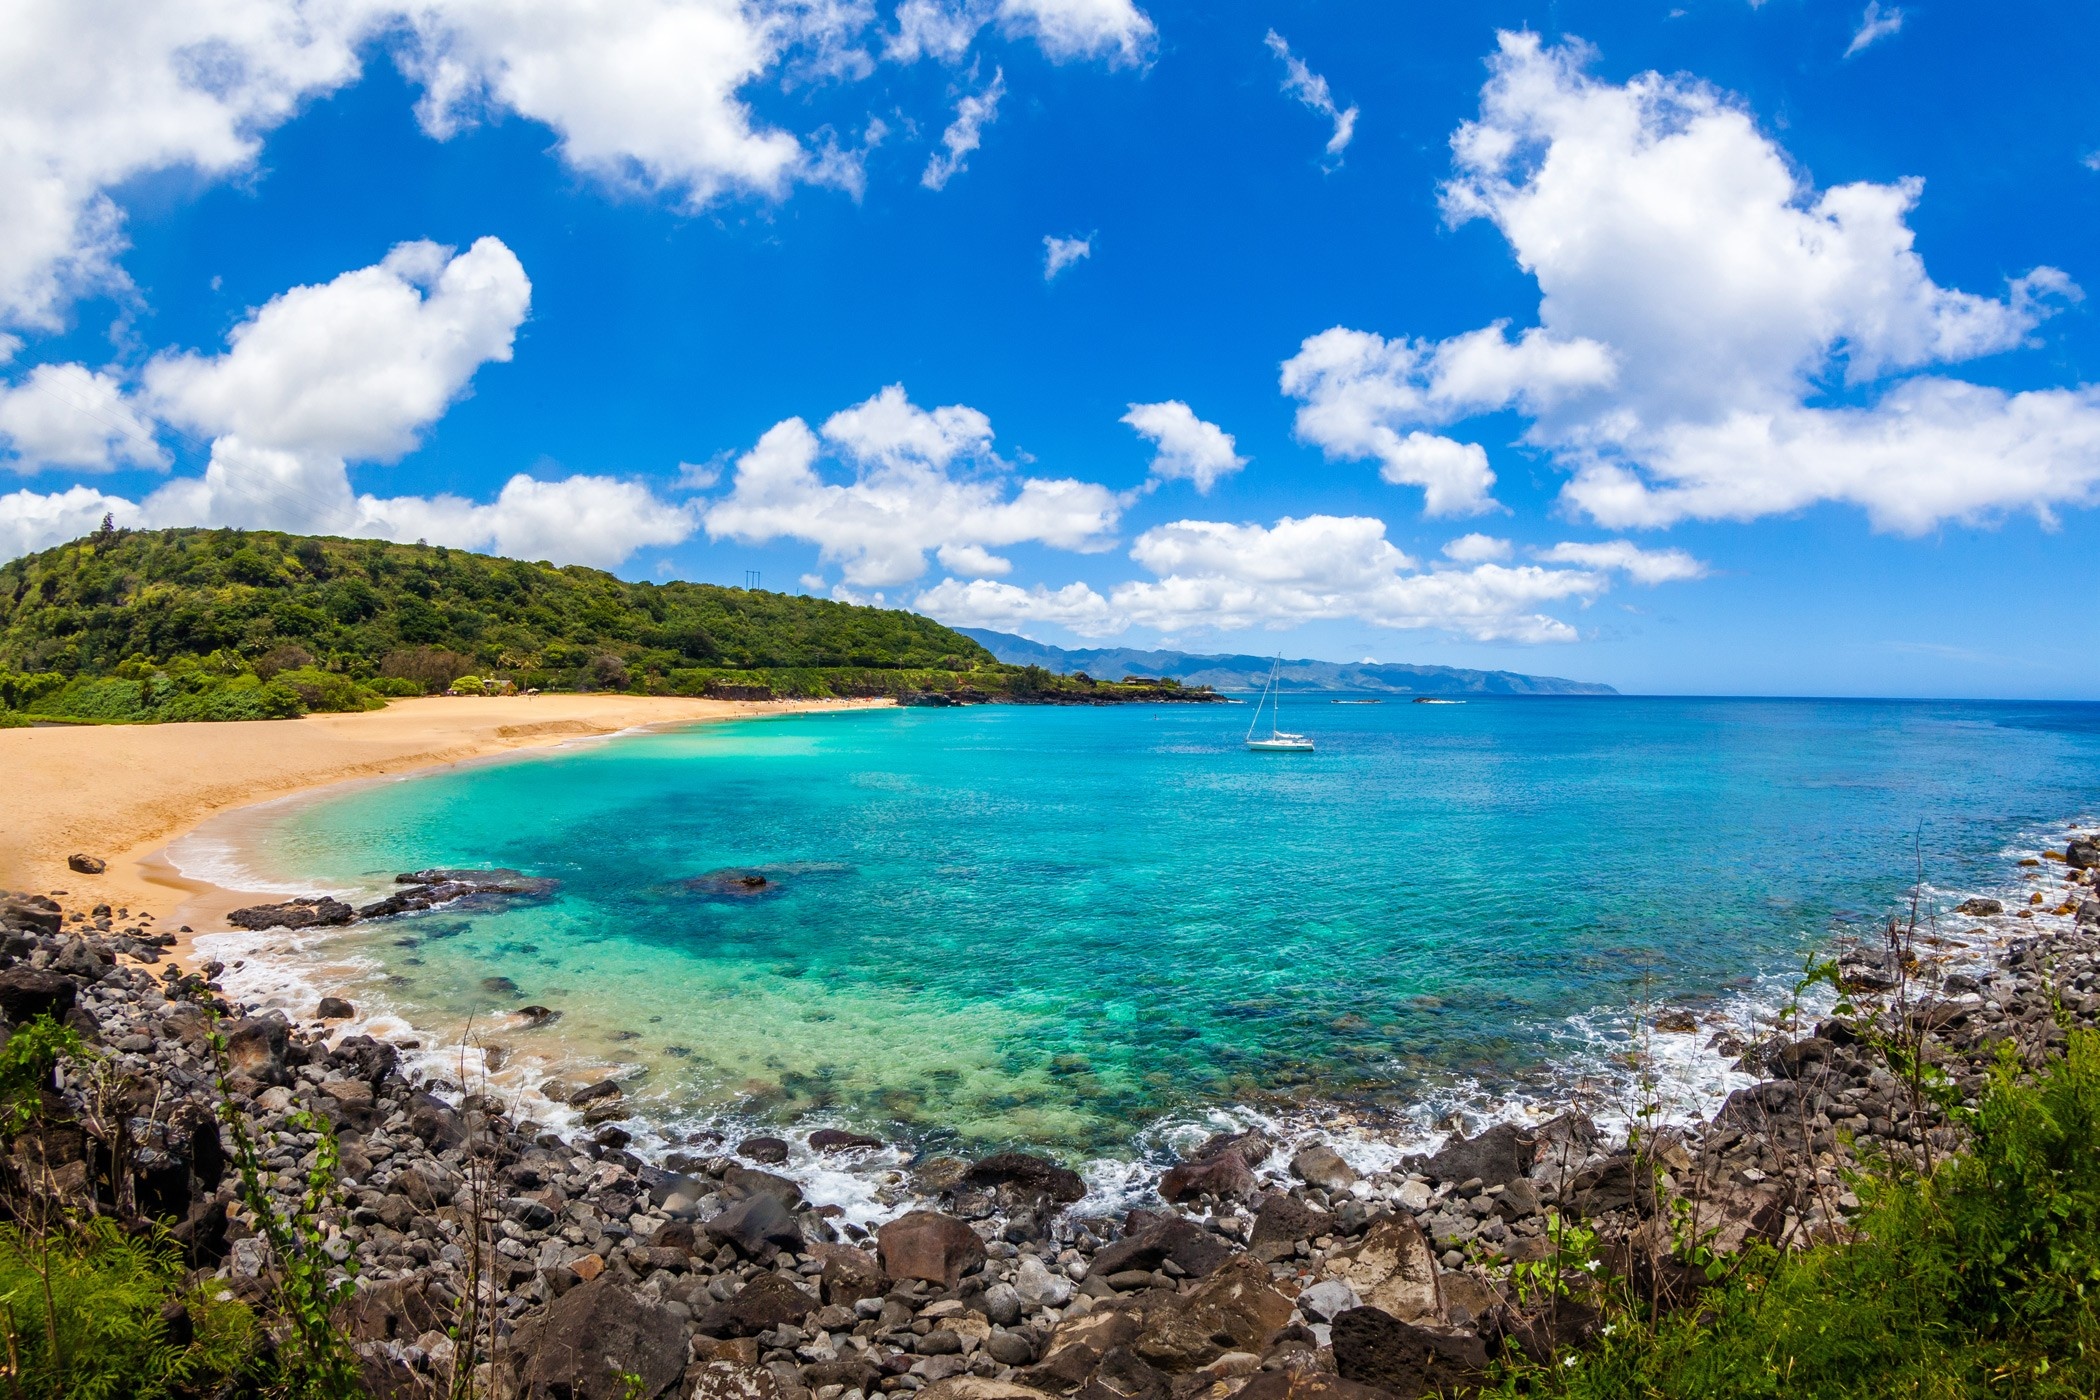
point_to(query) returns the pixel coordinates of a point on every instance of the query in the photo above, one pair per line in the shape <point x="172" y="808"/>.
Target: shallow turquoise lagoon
<point x="1061" y="926"/>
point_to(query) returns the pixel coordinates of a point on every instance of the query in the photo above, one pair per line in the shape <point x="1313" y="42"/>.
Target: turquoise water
<point x="1005" y="925"/>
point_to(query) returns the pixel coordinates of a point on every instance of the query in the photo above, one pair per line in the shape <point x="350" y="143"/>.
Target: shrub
<point x="326" y="690"/>
<point x="1979" y="1279"/>
<point x="430" y="667"/>
<point x="19" y="688"/>
<point x="398" y="687"/>
<point x="287" y="657"/>
<point x="87" y="1313"/>
<point x="469" y="685"/>
<point x="26" y="1062"/>
<point x="237" y="698"/>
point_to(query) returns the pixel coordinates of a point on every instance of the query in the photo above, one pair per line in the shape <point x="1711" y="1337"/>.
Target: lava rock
<point x="334" y="1009"/>
<point x="1225" y="1176"/>
<point x="370" y="1060"/>
<point x="926" y="1245"/>
<point x="86" y="865"/>
<point x="849" y="1274"/>
<point x="26" y="994"/>
<point x="1195" y="1251"/>
<point x="590" y="1338"/>
<point x="1027" y="1173"/>
<point x="1394" y="1270"/>
<point x="756" y="1225"/>
<point x="1373" y="1348"/>
<point x="256" y="1047"/>
<point x="1320" y="1165"/>
<point x="1498" y="1156"/>
<point x="839" y="1140"/>
<point x="314" y="911"/>
<point x="770" y="1150"/>
<point x="1235" y="1309"/>
<point x="762" y="1305"/>
<point x="1281" y="1223"/>
<point x="31" y="912"/>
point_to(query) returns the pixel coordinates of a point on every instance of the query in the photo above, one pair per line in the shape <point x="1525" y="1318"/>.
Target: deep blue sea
<point x="1064" y="927"/>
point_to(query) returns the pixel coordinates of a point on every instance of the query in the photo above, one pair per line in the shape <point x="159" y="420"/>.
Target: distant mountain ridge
<point x="1228" y="672"/>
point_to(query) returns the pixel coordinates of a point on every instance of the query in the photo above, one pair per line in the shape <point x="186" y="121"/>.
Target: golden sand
<point x="121" y="793"/>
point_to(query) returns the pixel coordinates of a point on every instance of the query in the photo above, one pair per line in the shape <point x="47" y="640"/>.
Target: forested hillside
<point x="142" y="625"/>
<point x="260" y="623"/>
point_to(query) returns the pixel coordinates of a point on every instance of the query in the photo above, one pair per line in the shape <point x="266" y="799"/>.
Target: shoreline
<point x="125" y="794"/>
<point x="1258" y="1268"/>
<point x="1692" y="1071"/>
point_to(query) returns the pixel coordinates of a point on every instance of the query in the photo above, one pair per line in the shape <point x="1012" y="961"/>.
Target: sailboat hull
<point x="1280" y="745"/>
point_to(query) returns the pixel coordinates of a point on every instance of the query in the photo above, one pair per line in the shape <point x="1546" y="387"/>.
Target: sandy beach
<point x="123" y="792"/>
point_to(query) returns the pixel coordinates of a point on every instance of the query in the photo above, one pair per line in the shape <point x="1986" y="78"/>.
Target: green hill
<point x="225" y="624"/>
<point x="131" y="625"/>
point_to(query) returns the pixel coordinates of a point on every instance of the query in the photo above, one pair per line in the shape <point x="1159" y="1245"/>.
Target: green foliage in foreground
<point x="1981" y="1279"/>
<point x="91" y="1313"/>
<point x="26" y="1062"/>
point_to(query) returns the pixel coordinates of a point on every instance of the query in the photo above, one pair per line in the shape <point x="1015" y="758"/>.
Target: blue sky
<point x="1699" y="348"/>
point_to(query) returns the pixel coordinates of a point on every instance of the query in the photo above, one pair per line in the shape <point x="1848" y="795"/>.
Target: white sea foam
<point x="1614" y="1065"/>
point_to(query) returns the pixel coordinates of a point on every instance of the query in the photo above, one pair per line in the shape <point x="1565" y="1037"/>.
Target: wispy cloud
<point x="1312" y="90"/>
<point x="1061" y="253"/>
<point x="1875" y="25"/>
<point x="973" y="114"/>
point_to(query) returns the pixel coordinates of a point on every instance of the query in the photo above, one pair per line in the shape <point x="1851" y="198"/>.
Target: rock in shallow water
<point x="314" y="911"/>
<point x="770" y="1150"/>
<point x="1320" y="1165"/>
<point x="1027" y="1173"/>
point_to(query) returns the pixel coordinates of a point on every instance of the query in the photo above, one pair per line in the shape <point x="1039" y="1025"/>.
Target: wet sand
<point x="122" y="793"/>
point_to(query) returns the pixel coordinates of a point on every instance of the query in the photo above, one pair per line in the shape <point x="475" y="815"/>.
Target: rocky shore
<point x="1261" y="1273"/>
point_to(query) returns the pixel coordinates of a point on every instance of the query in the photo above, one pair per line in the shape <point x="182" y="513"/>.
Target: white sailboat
<point x="1277" y="740"/>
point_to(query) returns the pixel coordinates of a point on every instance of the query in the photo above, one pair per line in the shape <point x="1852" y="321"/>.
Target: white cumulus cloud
<point x="1477" y="549"/>
<point x="358" y="366"/>
<point x="918" y="481"/>
<point x="1189" y="449"/>
<point x="356" y="369"/>
<point x="97" y="92"/>
<point x="1311" y="89"/>
<point x="72" y="416"/>
<point x="1362" y="396"/>
<point x="646" y="95"/>
<point x="1209" y="574"/>
<point x="1006" y="608"/>
<point x="1700" y="307"/>
<point x="973" y="113"/>
<point x="1061" y="253"/>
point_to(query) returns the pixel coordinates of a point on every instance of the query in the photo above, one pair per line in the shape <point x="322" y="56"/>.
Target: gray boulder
<point x="591" y="1338"/>
<point x="756" y="1225"/>
<point x="1498" y="1156"/>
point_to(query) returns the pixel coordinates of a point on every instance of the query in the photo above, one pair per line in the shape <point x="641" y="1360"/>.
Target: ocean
<point x="1086" y="930"/>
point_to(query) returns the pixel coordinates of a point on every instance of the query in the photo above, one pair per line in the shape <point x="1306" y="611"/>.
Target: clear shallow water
<point x="1062" y="927"/>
